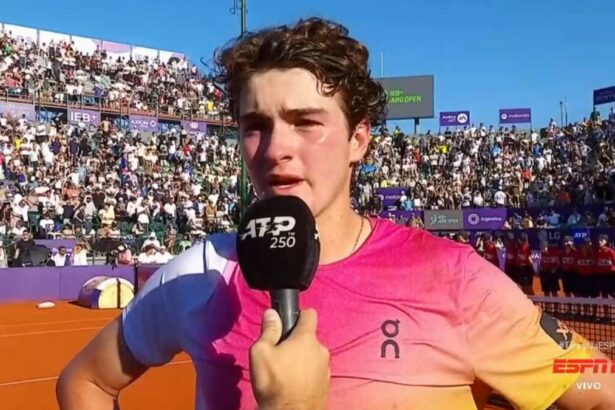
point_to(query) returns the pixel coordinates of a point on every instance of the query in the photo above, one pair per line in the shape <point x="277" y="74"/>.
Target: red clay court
<point x="36" y="344"/>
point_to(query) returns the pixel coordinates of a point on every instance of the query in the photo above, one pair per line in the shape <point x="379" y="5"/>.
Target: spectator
<point x="60" y="257"/>
<point x="80" y="255"/>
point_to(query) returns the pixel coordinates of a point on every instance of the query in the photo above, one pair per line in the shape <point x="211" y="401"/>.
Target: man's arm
<point x="95" y="377"/>
<point x="513" y="345"/>
<point x="602" y="398"/>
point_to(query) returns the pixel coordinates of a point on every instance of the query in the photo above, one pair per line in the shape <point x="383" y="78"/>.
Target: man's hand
<point x="293" y="374"/>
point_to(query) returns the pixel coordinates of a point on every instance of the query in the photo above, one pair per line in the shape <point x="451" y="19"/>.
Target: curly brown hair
<point x="339" y="62"/>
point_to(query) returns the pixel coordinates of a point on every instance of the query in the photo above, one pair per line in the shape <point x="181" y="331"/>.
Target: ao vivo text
<point x="584" y="366"/>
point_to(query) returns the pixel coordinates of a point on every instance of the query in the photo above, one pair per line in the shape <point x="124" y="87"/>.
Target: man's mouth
<point x="283" y="181"/>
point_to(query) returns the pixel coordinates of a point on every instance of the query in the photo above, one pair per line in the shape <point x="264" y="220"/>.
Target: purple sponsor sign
<point x="194" y="126"/>
<point x="88" y="117"/>
<point x="143" y="123"/>
<point x="18" y="110"/>
<point x="454" y="118"/>
<point x="515" y="115"/>
<point x="604" y="95"/>
<point x="390" y="197"/>
<point x="484" y="218"/>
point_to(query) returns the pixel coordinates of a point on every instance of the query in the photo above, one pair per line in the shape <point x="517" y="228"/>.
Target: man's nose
<point x="279" y="145"/>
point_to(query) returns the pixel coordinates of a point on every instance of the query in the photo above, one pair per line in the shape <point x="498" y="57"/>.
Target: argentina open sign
<point x="409" y="97"/>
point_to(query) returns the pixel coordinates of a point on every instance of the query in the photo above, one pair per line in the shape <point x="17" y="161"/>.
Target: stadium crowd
<point x="482" y="166"/>
<point x="57" y="72"/>
<point x="63" y="180"/>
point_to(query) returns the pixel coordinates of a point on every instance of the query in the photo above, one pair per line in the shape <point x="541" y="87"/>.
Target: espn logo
<point x="583" y="366"/>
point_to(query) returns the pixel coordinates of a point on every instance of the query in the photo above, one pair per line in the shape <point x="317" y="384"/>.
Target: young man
<point x="411" y="321"/>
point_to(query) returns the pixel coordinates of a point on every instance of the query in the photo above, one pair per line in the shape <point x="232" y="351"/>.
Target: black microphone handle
<point x="286" y="303"/>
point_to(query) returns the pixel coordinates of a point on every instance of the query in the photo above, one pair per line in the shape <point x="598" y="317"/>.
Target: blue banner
<point x="604" y="95"/>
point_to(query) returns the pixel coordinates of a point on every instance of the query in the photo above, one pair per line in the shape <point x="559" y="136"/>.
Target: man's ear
<point x="359" y="141"/>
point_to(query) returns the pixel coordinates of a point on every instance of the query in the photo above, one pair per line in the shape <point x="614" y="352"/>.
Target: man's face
<point x="295" y="141"/>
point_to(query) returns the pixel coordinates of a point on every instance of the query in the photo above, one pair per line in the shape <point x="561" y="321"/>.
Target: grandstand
<point x="118" y="154"/>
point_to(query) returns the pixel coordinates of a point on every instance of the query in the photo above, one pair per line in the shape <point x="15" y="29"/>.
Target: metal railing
<point x="103" y="105"/>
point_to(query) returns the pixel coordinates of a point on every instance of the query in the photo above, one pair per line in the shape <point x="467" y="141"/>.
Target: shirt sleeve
<point x="152" y="321"/>
<point x="512" y="342"/>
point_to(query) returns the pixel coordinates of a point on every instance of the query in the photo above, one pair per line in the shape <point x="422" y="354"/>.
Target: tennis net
<point x="594" y="319"/>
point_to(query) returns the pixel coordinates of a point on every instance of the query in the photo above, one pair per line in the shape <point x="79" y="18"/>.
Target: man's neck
<point x="338" y="232"/>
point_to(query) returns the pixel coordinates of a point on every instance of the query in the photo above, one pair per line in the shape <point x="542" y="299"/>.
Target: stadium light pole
<point x="243" y="182"/>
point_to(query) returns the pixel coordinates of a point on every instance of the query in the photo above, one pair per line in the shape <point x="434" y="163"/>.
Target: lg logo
<point x="390" y="329"/>
<point x="259" y="227"/>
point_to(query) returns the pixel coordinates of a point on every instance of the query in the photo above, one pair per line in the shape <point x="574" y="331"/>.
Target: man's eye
<point x="304" y="122"/>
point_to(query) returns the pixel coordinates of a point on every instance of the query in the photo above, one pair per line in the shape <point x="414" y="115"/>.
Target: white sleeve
<point x="152" y="320"/>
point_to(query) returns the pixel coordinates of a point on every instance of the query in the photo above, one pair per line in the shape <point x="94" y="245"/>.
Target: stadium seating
<point x="182" y="186"/>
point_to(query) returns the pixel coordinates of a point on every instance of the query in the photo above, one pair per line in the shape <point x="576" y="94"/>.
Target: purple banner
<point x="454" y="118"/>
<point x="18" y="110"/>
<point x="604" y="95"/>
<point x="390" y="197"/>
<point x="29" y="284"/>
<point x="484" y="218"/>
<point x="515" y="115"/>
<point x="194" y="126"/>
<point x="143" y="273"/>
<point x="50" y="283"/>
<point x="88" y="117"/>
<point x="72" y="278"/>
<point x="143" y="123"/>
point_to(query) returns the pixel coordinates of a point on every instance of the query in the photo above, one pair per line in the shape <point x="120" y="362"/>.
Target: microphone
<point x="278" y="251"/>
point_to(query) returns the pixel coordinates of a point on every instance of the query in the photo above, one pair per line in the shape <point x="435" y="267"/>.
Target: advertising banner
<point x="139" y="53"/>
<point x="454" y="118"/>
<point x="409" y="97"/>
<point x="27" y="34"/>
<point x="515" y="115"/>
<point x="115" y="50"/>
<point x="86" y="45"/>
<point x="143" y="123"/>
<point x="194" y="126"/>
<point x="390" y="197"/>
<point x="443" y="220"/>
<point x="484" y="218"/>
<point x="17" y="110"/>
<point x="88" y="117"/>
<point x="49" y="36"/>
<point x="604" y="95"/>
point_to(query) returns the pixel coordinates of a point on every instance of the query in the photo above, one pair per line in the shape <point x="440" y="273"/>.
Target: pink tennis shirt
<point x="412" y="321"/>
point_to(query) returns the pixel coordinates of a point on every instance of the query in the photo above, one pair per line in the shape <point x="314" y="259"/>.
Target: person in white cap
<point x="151" y="240"/>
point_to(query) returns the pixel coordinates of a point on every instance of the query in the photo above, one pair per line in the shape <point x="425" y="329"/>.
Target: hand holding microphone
<point x="278" y="251"/>
<point x="293" y="374"/>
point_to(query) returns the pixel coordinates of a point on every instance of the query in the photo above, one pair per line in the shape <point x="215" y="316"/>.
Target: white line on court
<point x="46" y="379"/>
<point x="60" y="322"/>
<point x="46" y="332"/>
